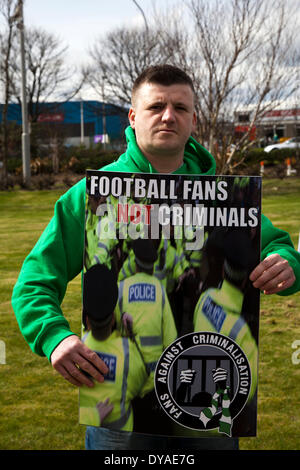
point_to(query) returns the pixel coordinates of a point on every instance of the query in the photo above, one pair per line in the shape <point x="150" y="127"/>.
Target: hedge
<point x="275" y="157"/>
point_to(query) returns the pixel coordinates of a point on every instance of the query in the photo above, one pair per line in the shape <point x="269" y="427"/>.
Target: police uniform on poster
<point x="143" y="297"/>
<point x="127" y="373"/>
<point x="221" y="309"/>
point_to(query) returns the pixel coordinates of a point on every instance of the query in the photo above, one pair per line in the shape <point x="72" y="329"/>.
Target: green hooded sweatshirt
<point x="57" y="257"/>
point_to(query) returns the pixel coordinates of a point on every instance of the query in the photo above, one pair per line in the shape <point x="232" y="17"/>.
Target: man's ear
<point x="131" y="117"/>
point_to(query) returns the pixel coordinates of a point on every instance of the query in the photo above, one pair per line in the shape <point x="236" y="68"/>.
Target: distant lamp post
<point x="81" y="122"/>
<point x="19" y="18"/>
<point x="103" y="114"/>
<point x="143" y="14"/>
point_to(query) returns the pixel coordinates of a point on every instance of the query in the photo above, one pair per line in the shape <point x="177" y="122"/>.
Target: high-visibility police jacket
<point x="106" y="242"/>
<point x="100" y="236"/>
<point x="145" y="299"/>
<point x="219" y="310"/>
<point x="91" y="238"/>
<point x="188" y="236"/>
<point x="125" y="378"/>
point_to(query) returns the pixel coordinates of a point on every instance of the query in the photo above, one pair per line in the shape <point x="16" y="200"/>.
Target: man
<point x="162" y="118"/>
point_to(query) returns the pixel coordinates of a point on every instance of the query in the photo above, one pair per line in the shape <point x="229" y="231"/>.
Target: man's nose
<point x="168" y="114"/>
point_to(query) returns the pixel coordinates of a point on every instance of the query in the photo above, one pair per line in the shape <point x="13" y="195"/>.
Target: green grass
<point x="278" y="390"/>
<point x="39" y="409"/>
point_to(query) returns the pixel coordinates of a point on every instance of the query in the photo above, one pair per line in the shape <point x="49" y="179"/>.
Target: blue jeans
<point x="98" y="438"/>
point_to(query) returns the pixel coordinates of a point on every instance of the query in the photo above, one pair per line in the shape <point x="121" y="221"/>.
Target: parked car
<point x="292" y="143"/>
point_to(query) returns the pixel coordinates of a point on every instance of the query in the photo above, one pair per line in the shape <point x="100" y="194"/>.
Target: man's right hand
<point x="71" y="355"/>
<point x="187" y="376"/>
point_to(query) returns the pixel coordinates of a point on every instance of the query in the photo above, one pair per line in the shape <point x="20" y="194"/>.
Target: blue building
<point x="77" y="120"/>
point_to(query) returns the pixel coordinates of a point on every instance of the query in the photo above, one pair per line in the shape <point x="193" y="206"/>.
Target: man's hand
<point x="71" y="355"/>
<point x="104" y="408"/>
<point x="219" y="374"/>
<point x="127" y="321"/>
<point x="187" y="376"/>
<point x="190" y="272"/>
<point x="273" y="275"/>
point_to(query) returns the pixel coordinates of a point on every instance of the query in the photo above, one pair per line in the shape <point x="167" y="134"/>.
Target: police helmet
<point x="145" y="253"/>
<point x="100" y="294"/>
<point x="238" y="254"/>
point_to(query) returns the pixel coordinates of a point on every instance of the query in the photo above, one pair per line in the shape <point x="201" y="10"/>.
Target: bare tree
<point x="7" y="9"/>
<point x="48" y="81"/>
<point x="48" y="74"/>
<point x="48" y="78"/>
<point x="119" y="57"/>
<point x="241" y="49"/>
<point x="239" y="53"/>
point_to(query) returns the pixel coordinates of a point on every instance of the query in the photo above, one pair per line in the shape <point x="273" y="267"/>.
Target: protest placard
<point x="167" y="302"/>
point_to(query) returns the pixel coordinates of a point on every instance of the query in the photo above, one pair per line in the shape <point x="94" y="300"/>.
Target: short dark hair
<point x="163" y="74"/>
<point x="100" y="294"/>
<point x="100" y="333"/>
<point x="145" y="255"/>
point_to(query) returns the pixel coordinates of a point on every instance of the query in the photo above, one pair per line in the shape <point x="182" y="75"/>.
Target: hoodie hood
<point x="197" y="160"/>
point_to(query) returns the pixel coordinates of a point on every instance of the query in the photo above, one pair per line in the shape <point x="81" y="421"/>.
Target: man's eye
<point x="156" y="106"/>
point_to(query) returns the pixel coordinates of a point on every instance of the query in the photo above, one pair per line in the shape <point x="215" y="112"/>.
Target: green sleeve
<point x="275" y="240"/>
<point x="55" y="260"/>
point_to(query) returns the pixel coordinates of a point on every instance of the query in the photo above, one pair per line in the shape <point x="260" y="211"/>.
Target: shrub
<point x="45" y="181"/>
<point x="276" y="157"/>
<point x="76" y="159"/>
<point x="94" y="158"/>
<point x="256" y="155"/>
<point x="13" y="163"/>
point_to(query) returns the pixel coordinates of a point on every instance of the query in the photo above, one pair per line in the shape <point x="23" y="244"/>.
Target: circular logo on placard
<point x="203" y="380"/>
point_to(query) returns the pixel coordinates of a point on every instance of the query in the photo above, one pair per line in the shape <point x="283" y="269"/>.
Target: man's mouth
<point x="171" y="131"/>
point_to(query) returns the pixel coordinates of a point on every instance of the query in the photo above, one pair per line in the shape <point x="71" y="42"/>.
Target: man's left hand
<point x="104" y="409"/>
<point x="273" y="275"/>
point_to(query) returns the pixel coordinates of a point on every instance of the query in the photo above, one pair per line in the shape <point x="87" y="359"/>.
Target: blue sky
<point x="79" y="22"/>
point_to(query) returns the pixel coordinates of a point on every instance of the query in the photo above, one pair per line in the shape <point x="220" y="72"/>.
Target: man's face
<point x="163" y="118"/>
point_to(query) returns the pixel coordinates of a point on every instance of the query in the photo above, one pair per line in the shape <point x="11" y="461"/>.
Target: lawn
<point x="39" y="409"/>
